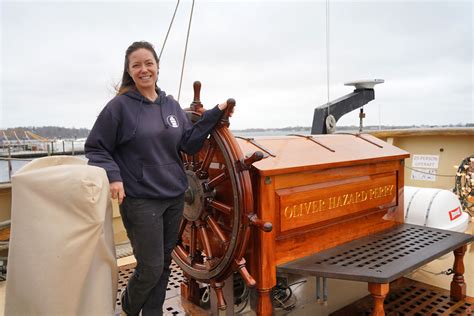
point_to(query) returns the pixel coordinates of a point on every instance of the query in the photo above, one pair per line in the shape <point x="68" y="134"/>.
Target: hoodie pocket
<point x="167" y="179"/>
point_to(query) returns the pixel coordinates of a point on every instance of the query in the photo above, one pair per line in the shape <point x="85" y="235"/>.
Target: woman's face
<point x="143" y="69"/>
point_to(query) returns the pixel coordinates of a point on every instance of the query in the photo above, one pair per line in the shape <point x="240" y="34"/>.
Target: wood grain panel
<point x="306" y="205"/>
<point x="311" y="241"/>
<point x="333" y="174"/>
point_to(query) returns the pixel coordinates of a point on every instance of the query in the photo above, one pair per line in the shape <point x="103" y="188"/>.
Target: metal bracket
<point x="359" y="135"/>
<point x="311" y="138"/>
<point x="253" y="142"/>
<point x="326" y="116"/>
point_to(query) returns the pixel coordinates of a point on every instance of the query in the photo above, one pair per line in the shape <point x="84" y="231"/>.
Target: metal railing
<point x="17" y="154"/>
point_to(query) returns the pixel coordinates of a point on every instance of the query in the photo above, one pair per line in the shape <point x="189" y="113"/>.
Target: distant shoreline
<point x="351" y="128"/>
<point x="58" y="133"/>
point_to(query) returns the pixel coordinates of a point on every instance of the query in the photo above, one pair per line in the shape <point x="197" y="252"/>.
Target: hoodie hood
<point x="136" y="95"/>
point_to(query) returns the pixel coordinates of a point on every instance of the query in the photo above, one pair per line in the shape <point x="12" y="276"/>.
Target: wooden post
<point x="458" y="286"/>
<point x="64" y="149"/>
<point x="9" y="163"/>
<point x="190" y="290"/>
<point x="265" y="245"/>
<point x="72" y="148"/>
<point x="378" y="291"/>
<point x="228" y="293"/>
<point x="10" y="169"/>
<point x="264" y="302"/>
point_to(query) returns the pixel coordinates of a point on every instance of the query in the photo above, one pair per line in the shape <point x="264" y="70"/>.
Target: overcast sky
<point x="61" y="59"/>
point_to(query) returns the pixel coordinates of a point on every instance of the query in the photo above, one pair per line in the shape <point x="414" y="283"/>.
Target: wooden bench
<point x="386" y="256"/>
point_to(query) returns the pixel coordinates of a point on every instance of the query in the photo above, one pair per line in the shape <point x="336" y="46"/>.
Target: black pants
<point x="152" y="227"/>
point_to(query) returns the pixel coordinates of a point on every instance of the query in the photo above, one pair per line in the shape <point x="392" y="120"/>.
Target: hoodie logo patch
<point x="172" y="121"/>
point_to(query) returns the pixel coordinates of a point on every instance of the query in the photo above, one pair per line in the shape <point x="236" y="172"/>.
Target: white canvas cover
<point x="62" y="257"/>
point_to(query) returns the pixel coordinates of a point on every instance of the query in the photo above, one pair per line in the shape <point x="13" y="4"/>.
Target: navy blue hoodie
<point x="138" y="142"/>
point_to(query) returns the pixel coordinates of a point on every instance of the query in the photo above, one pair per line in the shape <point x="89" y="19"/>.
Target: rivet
<point x="268" y="180"/>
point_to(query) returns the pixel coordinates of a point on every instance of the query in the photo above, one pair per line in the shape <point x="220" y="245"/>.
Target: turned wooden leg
<point x="458" y="287"/>
<point x="378" y="291"/>
<point x="190" y="290"/>
<point x="218" y="289"/>
<point x="264" y="302"/>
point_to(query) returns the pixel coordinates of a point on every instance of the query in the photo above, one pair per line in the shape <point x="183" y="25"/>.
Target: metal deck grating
<point x="392" y="247"/>
<point x="381" y="257"/>
<point x="411" y="298"/>
<point x="172" y="305"/>
<point x="415" y="300"/>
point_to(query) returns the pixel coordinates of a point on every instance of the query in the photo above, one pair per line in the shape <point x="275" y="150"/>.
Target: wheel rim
<point x="213" y="231"/>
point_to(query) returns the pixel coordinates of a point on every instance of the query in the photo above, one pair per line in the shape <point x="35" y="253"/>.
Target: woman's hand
<point x="117" y="191"/>
<point x="223" y="106"/>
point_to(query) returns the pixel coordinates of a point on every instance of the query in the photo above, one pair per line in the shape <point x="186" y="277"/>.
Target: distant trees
<point x="56" y="132"/>
<point x="51" y="132"/>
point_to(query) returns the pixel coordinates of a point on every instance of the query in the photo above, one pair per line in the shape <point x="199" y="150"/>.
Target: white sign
<point x="424" y="174"/>
<point x="425" y="161"/>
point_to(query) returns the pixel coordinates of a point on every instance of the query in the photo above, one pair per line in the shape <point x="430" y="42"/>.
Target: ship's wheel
<point x="218" y="212"/>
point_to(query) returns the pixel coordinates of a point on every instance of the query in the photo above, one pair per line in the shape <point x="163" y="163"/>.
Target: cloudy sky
<point x="60" y="60"/>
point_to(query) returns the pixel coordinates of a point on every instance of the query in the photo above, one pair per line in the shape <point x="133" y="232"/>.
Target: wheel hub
<point x="194" y="197"/>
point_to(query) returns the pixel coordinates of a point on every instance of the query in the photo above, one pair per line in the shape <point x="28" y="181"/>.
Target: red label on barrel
<point x="453" y="214"/>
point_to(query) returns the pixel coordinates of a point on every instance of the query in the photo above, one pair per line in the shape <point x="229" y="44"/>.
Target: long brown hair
<point x="127" y="81"/>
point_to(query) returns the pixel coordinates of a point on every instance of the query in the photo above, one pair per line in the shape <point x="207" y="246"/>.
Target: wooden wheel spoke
<point x="195" y="162"/>
<point x="205" y="241"/>
<point x="221" y="303"/>
<point x="224" y="208"/>
<point x="182" y="226"/>
<point x="216" y="229"/>
<point x="185" y="158"/>
<point x="208" y="158"/>
<point x="217" y="180"/>
<point x="248" y="279"/>
<point x="183" y="253"/>
<point x="193" y="243"/>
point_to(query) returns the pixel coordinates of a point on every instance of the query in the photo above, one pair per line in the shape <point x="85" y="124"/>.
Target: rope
<point x="185" y="50"/>
<point x="169" y="29"/>
<point x="433" y="174"/>
<point x="444" y="272"/>
<point x="327" y="51"/>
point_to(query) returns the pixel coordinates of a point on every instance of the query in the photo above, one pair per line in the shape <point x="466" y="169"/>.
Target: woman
<point x="136" y="139"/>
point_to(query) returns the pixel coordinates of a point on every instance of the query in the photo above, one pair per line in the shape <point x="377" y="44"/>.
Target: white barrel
<point x="435" y="208"/>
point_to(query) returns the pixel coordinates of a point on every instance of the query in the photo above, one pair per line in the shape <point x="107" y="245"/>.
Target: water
<point x="58" y="146"/>
<point x="16" y="165"/>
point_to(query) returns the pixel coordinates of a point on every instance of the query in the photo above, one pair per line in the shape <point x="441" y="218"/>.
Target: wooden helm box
<point x="313" y="200"/>
<point x="319" y="192"/>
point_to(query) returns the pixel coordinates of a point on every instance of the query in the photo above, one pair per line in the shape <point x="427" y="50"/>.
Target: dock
<point x="37" y="154"/>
